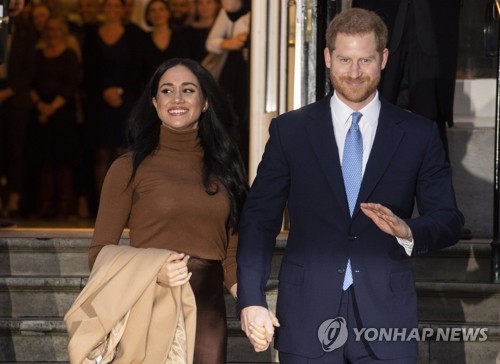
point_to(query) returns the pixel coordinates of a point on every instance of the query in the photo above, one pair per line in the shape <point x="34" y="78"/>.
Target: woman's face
<point x="207" y="8"/>
<point x="113" y="10"/>
<point x="54" y="31"/>
<point x="179" y="101"/>
<point x="158" y="13"/>
<point x="232" y="6"/>
<point x="40" y="15"/>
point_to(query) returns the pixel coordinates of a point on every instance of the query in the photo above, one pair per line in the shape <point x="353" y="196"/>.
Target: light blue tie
<point x="352" y="170"/>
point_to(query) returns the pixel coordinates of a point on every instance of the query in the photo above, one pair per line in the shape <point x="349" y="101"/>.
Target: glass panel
<point x="472" y="59"/>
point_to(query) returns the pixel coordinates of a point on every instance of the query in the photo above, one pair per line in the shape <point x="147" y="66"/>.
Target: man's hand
<point x="258" y="323"/>
<point x="386" y="220"/>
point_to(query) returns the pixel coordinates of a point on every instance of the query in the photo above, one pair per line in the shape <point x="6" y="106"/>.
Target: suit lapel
<point x="387" y="140"/>
<point x="322" y="138"/>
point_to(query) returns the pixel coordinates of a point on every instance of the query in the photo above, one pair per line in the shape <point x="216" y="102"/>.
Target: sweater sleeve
<point x="114" y="207"/>
<point x="229" y="263"/>
<point x="218" y="33"/>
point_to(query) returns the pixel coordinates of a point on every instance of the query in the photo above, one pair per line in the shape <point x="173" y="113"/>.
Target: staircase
<point x="43" y="270"/>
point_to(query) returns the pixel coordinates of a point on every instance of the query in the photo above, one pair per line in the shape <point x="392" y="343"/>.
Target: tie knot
<point x="356" y="116"/>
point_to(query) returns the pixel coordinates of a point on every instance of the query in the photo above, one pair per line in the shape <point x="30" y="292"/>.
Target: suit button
<point x="352" y="237"/>
<point x="341" y="270"/>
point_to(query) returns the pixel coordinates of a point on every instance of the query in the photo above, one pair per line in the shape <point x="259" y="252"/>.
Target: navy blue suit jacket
<point x="300" y="168"/>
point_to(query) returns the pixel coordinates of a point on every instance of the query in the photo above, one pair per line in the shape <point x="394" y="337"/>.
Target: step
<point x="64" y="252"/>
<point x="47" y="252"/>
<point x="451" y="301"/>
<point x="467" y="261"/>
<point x="45" y="341"/>
<point x="459" y="302"/>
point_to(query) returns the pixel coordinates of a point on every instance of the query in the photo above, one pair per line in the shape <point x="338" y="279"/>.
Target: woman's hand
<point x="174" y="272"/>
<point x="258" y="337"/>
<point x="234" y="290"/>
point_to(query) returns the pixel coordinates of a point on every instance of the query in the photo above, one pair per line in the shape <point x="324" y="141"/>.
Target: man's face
<point x="179" y="8"/>
<point x="89" y="10"/>
<point x="355" y="66"/>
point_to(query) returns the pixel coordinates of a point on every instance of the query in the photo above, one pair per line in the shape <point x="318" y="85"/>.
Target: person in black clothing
<point x="15" y="7"/>
<point x="162" y="42"/>
<point x="111" y="60"/>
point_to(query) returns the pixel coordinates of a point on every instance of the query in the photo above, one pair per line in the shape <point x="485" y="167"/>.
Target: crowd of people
<point x="71" y="79"/>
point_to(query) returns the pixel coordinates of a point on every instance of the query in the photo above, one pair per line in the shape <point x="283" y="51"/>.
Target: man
<point x="349" y="169"/>
<point x="181" y="14"/>
<point x="423" y="43"/>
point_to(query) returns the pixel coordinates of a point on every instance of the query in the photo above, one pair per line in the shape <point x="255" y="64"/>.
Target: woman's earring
<point x="205" y="107"/>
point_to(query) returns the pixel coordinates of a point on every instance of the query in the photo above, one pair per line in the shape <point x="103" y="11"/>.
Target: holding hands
<point x="258" y="323"/>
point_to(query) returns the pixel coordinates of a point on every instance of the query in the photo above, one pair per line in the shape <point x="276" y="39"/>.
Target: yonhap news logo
<point x="333" y="334"/>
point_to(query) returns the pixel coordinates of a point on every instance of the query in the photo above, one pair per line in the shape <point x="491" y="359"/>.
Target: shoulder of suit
<point x="308" y="111"/>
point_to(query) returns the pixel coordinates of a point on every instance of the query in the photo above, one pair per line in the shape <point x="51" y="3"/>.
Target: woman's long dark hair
<point x="221" y="156"/>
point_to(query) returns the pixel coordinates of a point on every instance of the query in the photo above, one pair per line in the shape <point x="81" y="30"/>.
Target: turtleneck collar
<point x="180" y="140"/>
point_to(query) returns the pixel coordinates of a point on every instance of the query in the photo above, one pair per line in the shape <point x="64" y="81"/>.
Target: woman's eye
<point x="165" y="91"/>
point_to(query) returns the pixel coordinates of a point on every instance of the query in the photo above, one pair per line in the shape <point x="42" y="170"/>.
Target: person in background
<point x="15" y="7"/>
<point x="88" y="21"/>
<point x="350" y="168"/>
<point x="87" y="17"/>
<point x="112" y="80"/>
<point x="40" y="13"/>
<point x="57" y="77"/>
<point x="423" y="43"/>
<point x="197" y="32"/>
<point x="16" y="74"/>
<point x="230" y="34"/>
<point x="420" y="74"/>
<point x="181" y="14"/>
<point x="129" y="21"/>
<point x="161" y="42"/>
<point x="181" y="186"/>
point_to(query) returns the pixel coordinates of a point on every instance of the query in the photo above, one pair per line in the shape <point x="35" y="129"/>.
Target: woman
<point x="230" y="34"/>
<point x="162" y="43"/>
<point x="111" y="58"/>
<point x="57" y="76"/>
<point x="197" y="32"/>
<point x="181" y="187"/>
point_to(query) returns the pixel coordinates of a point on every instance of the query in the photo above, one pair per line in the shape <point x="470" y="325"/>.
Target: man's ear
<point x="328" y="58"/>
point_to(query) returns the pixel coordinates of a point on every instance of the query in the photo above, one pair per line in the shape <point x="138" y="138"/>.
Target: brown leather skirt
<point x="207" y="283"/>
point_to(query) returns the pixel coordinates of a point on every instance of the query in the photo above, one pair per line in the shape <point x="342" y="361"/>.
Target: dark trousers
<point x="353" y="351"/>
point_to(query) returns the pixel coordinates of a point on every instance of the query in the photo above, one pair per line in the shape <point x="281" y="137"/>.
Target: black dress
<point x="58" y="137"/>
<point x="196" y="38"/>
<point x="152" y="56"/>
<point x="110" y="65"/>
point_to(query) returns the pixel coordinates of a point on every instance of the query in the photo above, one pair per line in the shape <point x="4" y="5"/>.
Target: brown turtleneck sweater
<point x="166" y="205"/>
